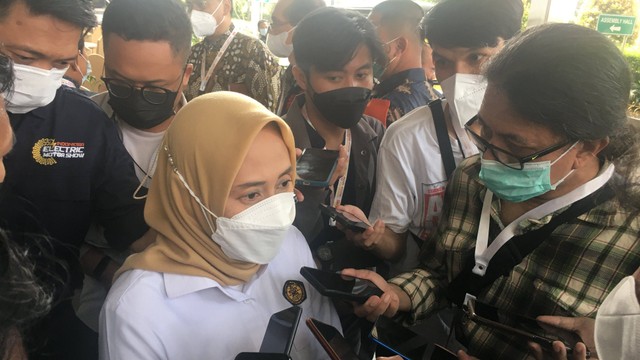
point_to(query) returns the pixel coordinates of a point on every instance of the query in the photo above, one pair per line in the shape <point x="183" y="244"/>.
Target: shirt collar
<point x="218" y="40"/>
<point x="404" y="77"/>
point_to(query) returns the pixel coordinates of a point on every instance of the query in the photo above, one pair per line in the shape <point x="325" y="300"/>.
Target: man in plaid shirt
<point x="538" y="156"/>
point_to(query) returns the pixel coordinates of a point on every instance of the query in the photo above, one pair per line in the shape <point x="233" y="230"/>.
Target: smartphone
<point x="315" y="167"/>
<point x="281" y="330"/>
<point x="331" y="340"/>
<point x="345" y="219"/>
<point x="261" y="356"/>
<point x="440" y="353"/>
<point x="395" y="339"/>
<point x="513" y="324"/>
<point x="337" y="286"/>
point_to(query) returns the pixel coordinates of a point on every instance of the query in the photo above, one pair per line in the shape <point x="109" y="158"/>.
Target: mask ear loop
<point x="191" y="192"/>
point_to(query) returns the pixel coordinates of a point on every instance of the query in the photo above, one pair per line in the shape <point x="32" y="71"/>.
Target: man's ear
<point x="300" y="77"/>
<point x="590" y="149"/>
<point x="402" y="44"/>
<point x="228" y="9"/>
<point x="187" y="74"/>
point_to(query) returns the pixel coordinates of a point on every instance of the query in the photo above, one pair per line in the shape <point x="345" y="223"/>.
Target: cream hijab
<point x="208" y="141"/>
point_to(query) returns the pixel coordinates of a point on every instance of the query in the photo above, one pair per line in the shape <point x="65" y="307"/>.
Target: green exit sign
<point x="616" y="24"/>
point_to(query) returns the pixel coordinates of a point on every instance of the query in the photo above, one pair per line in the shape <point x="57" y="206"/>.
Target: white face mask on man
<point x="33" y="88"/>
<point x="617" y="331"/>
<point x="203" y="23"/>
<point x="277" y="44"/>
<point x="464" y="94"/>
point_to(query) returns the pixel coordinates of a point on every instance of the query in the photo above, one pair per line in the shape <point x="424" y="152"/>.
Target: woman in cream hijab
<point x="226" y="257"/>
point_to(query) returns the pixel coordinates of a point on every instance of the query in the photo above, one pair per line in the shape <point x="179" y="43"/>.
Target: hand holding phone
<point x="521" y="326"/>
<point x="340" y="287"/>
<point x="345" y="219"/>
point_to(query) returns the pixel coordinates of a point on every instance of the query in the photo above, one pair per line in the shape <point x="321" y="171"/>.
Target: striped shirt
<point x="568" y="274"/>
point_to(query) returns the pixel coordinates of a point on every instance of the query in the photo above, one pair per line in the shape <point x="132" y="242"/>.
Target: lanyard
<point x="337" y="197"/>
<point x="204" y="79"/>
<point x="484" y="252"/>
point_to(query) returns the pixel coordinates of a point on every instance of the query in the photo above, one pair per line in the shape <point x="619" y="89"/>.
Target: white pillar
<point x="539" y="12"/>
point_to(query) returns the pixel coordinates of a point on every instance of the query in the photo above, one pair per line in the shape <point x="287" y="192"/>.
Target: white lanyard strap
<point x="484" y="252"/>
<point x="204" y="80"/>
<point x="337" y="197"/>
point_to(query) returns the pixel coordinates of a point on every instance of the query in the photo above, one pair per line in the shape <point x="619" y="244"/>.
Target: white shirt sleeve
<point x="126" y="335"/>
<point x="395" y="198"/>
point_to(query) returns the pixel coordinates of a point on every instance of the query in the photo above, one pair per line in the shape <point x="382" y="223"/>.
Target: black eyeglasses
<point x="505" y="157"/>
<point x="122" y="90"/>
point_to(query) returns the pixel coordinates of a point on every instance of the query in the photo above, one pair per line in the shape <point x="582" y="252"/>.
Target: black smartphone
<point x="345" y="219"/>
<point x="334" y="285"/>
<point x="395" y="339"/>
<point x="281" y="330"/>
<point x="315" y="167"/>
<point x="261" y="356"/>
<point x="518" y="325"/>
<point x="331" y="340"/>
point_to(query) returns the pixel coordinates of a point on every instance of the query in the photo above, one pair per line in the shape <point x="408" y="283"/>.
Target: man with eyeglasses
<point x="67" y="167"/>
<point x="146" y="43"/>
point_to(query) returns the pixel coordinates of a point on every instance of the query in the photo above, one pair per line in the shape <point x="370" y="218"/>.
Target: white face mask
<point x="255" y="234"/>
<point x="263" y="32"/>
<point x="33" y="88"/>
<point x="617" y="332"/>
<point x="278" y="44"/>
<point x="464" y="93"/>
<point x="203" y="23"/>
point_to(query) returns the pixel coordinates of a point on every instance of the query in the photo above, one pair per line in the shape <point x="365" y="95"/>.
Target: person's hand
<point x="560" y="352"/>
<point x="341" y="167"/>
<point x="464" y="356"/>
<point x="387" y="304"/>
<point x="582" y="326"/>
<point x="367" y="239"/>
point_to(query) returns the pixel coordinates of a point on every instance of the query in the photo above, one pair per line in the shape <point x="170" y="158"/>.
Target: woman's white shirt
<point x="151" y="315"/>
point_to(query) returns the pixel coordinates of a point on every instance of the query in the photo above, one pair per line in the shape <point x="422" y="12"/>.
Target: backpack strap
<point x="444" y="143"/>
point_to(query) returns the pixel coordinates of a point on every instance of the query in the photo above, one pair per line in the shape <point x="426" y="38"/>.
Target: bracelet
<point x="101" y="267"/>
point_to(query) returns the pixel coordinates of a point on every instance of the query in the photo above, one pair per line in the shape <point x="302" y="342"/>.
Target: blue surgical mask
<point x="520" y="185"/>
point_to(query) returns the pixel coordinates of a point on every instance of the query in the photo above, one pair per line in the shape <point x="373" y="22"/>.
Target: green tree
<point x="592" y="8"/>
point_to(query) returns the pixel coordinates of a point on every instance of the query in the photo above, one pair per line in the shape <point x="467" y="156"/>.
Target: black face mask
<point x="343" y="107"/>
<point x="141" y="114"/>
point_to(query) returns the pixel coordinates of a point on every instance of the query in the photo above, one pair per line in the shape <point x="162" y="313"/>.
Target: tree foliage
<point x="592" y="8"/>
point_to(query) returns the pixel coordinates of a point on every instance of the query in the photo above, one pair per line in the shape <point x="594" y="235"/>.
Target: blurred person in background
<point x="227" y="59"/>
<point x="401" y="81"/>
<point x="285" y="17"/>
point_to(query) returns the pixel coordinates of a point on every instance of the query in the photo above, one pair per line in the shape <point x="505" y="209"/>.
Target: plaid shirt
<point x="569" y="274"/>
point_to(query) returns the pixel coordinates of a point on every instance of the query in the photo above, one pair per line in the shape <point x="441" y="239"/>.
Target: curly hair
<point x="23" y="296"/>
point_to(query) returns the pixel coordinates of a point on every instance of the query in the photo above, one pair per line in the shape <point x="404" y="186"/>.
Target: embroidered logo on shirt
<point x="46" y="151"/>
<point x="294" y="292"/>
